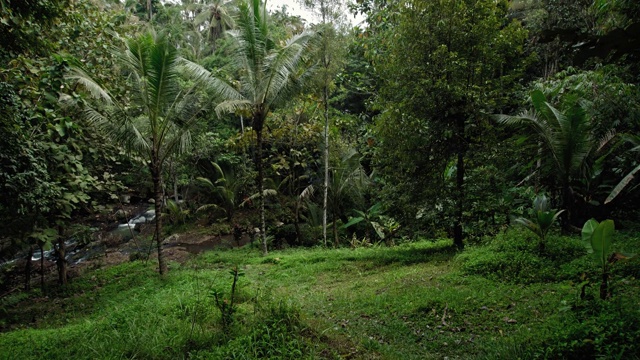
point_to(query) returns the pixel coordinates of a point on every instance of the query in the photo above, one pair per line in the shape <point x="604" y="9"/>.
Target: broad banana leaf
<point x="529" y="225"/>
<point x="601" y="241"/>
<point x="352" y="221"/>
<point x="587" y="232"/>
<point x="379" y="229"/>
<point x="621" y="185"/>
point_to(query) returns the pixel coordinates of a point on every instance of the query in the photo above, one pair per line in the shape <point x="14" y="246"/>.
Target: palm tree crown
<point x="568" y="138"/>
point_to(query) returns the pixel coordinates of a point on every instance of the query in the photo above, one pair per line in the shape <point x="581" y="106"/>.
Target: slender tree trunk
<point x="27" y="270"/>
<point x="567" y="205"/>
<point x="156" y="175"/>
<point x="263" y="232"/>
<point x="174" y="177"/>
<point x="326" y="167"/>
<point x="604" y="286"/>
<point x="297" y="224"/>
<point x="149" y="9"/>
<point x="62" y="257"/>
<point x="457" y="231"/>
<point x="335" y="230"/>
<point x="538" y="168"/>
<point x="325" y="100"/>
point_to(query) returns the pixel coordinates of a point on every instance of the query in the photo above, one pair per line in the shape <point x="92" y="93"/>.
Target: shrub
<point x="599" y="329"/>
<point x="512" y="258"/>
<point x="277" y="333"/>
<point x="284" y="234"/>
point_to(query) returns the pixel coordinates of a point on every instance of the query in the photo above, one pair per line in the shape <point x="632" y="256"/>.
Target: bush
<point x="515" y="267"/>
<point x="284" y="234"/>
<point x="598" y="329"/>
<point x="310" y="235"/>
<point x="277" y="333"/>
<point x="513" y="257"/>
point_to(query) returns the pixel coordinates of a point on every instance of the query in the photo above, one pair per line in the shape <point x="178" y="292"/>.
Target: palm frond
<point x="203" y="16"/>
<point x="211" y="207"/>
<point x="622" y="184"/>
<point x="221" y="89"/>
<point x="265" y="193"/>
<point x="307" y="192"/>
<point x="283" y="67"/>
<point x="79" y="76"/>
<point x="606" y="140"/>
<point x="232" y="106"/>
<point x="206" y="182"/>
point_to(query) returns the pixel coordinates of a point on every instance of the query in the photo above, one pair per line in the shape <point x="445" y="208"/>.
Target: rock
<point x="150" y="215"/>
<point x="121" y="214"/>
<point x="152" y="201"/>
<point x="171" y="238"/>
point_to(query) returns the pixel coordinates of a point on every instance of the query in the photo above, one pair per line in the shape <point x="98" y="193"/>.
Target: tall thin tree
<point x="332" y="17"/>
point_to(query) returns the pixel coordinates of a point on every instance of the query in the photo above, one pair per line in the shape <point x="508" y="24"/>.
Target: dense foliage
<point x="442" y="119"/>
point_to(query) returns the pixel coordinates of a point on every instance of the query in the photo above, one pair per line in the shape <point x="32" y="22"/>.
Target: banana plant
<point x="597" y="237"/>
<point x="370" y="218"/>
<point x="542" y="218"/>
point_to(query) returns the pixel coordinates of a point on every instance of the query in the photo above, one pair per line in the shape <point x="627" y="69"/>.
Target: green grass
<point x="498" y="300"/>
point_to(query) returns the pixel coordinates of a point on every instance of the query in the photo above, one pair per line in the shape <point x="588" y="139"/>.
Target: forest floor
<point x="421" y="300"/>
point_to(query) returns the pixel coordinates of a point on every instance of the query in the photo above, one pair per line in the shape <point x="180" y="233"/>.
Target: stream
<point x="77" y="253"/>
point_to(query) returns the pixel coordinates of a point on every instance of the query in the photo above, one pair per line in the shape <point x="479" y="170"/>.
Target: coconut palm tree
<point x="215" y="16"/>
<point x="224" y="186"/>
<point x="155" y="122"/>
<point x="566" y="137"/>
<point x="269" y="74"/>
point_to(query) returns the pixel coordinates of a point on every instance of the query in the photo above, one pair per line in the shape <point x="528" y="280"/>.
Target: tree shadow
<point x="410" y="254"/>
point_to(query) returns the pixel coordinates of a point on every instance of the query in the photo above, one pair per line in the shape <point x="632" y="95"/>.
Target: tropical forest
<point x="319" y="179"/>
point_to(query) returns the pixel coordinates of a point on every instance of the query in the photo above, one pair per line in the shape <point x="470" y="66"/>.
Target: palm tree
<point x="224" y="186"/>
<point x="217" y="18"/>
<point x="269" y="75"/>
<point x="346" y="180"/>
<point x="155" y="123"/>
<point x="568" y="138"/>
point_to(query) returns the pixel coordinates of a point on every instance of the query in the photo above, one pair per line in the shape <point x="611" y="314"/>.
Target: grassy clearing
<point x="499" y="300"/>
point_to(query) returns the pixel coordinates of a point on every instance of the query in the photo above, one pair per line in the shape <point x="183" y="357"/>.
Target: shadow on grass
<point x="82" y="296"/>
<point x="416" y="253"/>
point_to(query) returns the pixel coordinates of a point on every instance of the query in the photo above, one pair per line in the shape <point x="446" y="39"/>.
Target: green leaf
<point x="45" y="236"/>
<point x="379" y="229"/>
<point x="529" y="225"/>
<point x="587" y="232"/>
<point x="601" y="241"/>
<point x="60" y="129"/>
<point x="352" y="221"/>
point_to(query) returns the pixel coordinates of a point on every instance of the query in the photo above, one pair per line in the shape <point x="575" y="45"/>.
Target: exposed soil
<point x="180" y="247"/>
